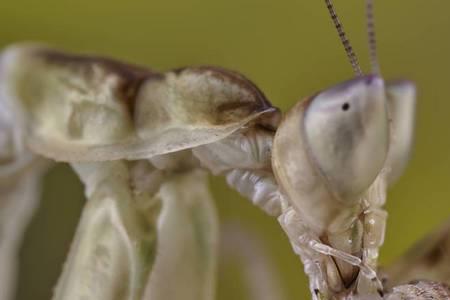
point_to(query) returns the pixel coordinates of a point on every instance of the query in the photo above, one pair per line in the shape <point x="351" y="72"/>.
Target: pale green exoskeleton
<point x="127" y="132"/>
<point x="141" y="141"/>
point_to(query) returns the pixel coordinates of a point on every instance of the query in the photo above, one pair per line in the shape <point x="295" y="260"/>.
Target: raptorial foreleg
<point x="115" y="243"/>
<point x="244" y="159"/>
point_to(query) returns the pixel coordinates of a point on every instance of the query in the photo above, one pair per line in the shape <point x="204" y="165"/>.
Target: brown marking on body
<point x="257" y="103"/>
<point x="434" y="256"/>
<point x="439" y="249"/>
<point x="235" y="78"/>
<point x="130" y="76"/>
<point x="347" y="281"/>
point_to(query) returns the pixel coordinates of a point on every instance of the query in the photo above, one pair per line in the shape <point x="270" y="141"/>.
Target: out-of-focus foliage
<point x="290" y="49"/>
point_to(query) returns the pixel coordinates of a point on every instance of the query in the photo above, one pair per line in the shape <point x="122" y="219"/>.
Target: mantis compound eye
<point x="347" y="133"/>
<point x="401" y="96"/>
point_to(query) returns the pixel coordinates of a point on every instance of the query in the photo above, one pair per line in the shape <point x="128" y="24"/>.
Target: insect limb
<point x="186" y="253"/>
<point x="307" y="246"/>
<point x="18" y="202"/>
<point x="127" y="245"/>
<point x="345" y="41"/>
<point x="374" y="224"/>
<point x="244" y="247"/>
<point x="366" y="270"/>
<point x="303" y="238"/>
<point x="348" y="258"/>
<point x="258" y="186"/>
<point x="20" y="182"/>
<point x="327" y="250"/>
<point x="114" y="246"/>
<point x="15" y="159"/>
<point x="291" y="223"/>
<point x="374" y="230"/>
<point x="244" y="158"/>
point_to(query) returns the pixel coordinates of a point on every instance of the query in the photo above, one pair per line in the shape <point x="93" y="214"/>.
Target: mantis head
<point x="330" y="148"/>
<point x="333" y="156"/>
<point x="334" y="145"/>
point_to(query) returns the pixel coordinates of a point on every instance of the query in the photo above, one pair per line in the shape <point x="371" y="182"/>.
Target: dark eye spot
<point x="345" y="106"/>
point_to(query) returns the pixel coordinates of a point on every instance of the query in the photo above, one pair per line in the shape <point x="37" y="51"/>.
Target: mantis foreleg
<point x="186" y="259"/>
<point x="18" y="201"/>
<point x="115" y="243"/>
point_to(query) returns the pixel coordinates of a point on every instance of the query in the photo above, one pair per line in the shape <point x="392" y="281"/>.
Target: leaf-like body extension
<point x="82" y="108"/>
<point x="18" y="201"/>
<point x="20" y="177"/>
<point x="401" y="99"/>
<point x="114" y="246"/>
<point x="242" y="246"/>
<point x="185" y="264"/>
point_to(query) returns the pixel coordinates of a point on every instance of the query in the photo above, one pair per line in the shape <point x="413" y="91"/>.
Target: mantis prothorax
<point x="141" y="141"/>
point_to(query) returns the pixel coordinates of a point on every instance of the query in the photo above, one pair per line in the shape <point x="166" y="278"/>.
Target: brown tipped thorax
<point x="241" y="96"/>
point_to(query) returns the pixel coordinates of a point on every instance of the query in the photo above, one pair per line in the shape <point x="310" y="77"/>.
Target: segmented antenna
<point x="371" y="37"/>
<point x="345" y="42"/>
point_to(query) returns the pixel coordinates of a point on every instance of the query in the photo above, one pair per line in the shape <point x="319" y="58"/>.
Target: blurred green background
<point x="289" y="49"/>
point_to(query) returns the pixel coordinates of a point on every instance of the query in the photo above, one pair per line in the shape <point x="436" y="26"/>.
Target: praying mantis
<point x="141" y="142"/>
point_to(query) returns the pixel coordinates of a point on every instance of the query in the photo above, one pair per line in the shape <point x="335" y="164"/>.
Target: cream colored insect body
<point x="141" y="141"/>
<point x="149" y="219"/>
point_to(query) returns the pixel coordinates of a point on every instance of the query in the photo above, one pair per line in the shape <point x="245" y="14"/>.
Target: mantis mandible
<point x="142" y="143"/>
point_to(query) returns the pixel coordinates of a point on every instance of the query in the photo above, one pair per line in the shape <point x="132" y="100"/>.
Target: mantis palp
<point x="138" y="138"/>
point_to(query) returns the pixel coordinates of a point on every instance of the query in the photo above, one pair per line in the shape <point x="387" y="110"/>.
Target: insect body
<point x="154" y="119"/>
<point x="344" y="214"/>
<point x="350" y="142"/>
<point x="136" y="138"/>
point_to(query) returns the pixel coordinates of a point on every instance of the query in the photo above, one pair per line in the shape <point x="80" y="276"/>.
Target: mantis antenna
<point x="371" y="37"/>
<point x="345" y="41"/>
